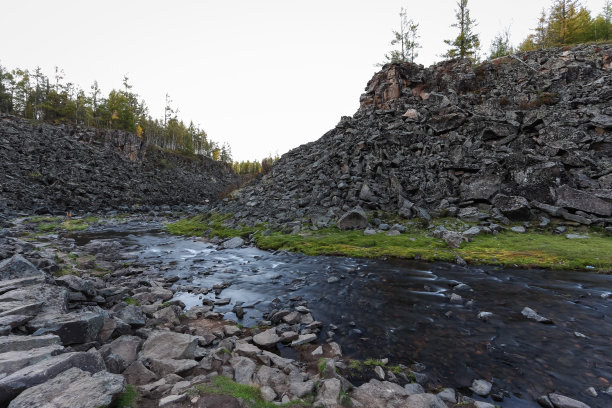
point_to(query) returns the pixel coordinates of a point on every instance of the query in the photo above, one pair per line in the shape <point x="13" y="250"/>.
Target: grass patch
<point x="127" y="398"/>
<point x="249" y="394"/>
<point x="532" y="249"/>
<point x="211" y="224"/>
<point x="131" y="301"/>
<point x="321" y="366"/>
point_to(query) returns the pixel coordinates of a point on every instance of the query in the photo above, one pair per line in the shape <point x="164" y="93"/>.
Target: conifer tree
<point x="406" y="37"/>
<point x="467" y="43"/>
<point x="501" y="45"/>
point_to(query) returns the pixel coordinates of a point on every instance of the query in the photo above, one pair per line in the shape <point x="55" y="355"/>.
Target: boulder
<point x="569" y="197"/>
<point x="72" y="328"/>
<point x="164" y="366"/>
<point x="44" y="370"/>
<point x="244" y="369"/>
<point x="167" y="344"/>
<point x="532" y="315"/>
<point x="233" y="243"/>
<point x="23" y="343"/>
<point x="138" y="374"/>
<point x="266" y="339"/>
<point x="353" y="219"/>
<point x="132" y="315"/>
<point x="124" y="349"/>
<point x="12" y="361"/>
<point x="425" y="401"/>
<point x="328" y="393"/>
<point x="18" y="267"/>
<point x="561" y="401"/>
<point x="303" y="339"/>
<point x="73" y="388"/>
<point x="516" y="208"/>
<point x="481" y="387"/>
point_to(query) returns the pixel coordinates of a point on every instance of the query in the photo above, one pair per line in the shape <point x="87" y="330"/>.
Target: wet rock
<point x="18" y="267"/>
<point x="353" y="219"/>
<point x="166" y="344"/>
<point x="244" y="369"/>
<point x="73" y="388"/>
<point x="333" y="279"/>
<point x="561" y="401"/>
<point x="46" y="369"/>
<point x="233" y="243"/>
<point x="532" y="315"/>
<point x="456" y="299"/>
<point x="266" y="339"/>
<point x="591" y="392"/>
<point x="481" y="387"/>
<point x="485" y="316"/>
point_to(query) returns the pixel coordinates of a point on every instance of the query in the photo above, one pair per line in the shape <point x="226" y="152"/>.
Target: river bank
<point x="171" y="279"/>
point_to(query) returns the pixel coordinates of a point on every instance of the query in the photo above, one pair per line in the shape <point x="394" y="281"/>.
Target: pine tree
<point x="407" y="38"/>
<point x="561" y="24"/>
<point x="467" y="43"/>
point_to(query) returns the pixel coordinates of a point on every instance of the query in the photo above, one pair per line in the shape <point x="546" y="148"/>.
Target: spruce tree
<point x="406" y="37"/>
<point x="467" y="43"/>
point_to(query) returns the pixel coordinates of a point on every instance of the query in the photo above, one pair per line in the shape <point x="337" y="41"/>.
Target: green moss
<point x="532" y="249"/>
<point x="47" y="227"/>
<point x="127" y="398"/>
<point x="213" y="224"/>
<point x="131" y="301"/>
<point x="321" y="366"/>
<point x="249" y="394"/>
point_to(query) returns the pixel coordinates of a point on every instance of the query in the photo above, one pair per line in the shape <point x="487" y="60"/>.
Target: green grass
<point x="131" y="301"/>
<point x="45" y="224"/>
<point x="321" y="365"/>
<point x="249" y="394"/>
<point x="127" y="398"/>
<point x="532" y="249"/>
<point x="213" y="222"/>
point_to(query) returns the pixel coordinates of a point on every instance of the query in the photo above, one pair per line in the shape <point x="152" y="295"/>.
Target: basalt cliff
<point x="514" y="137"/>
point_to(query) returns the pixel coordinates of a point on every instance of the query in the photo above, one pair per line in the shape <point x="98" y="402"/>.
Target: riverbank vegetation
<point x="543" y="247"/>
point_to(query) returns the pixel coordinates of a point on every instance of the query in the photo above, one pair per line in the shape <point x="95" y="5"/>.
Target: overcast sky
<point x="265" y="76"/>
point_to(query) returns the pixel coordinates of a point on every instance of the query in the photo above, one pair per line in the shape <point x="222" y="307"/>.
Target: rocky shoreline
<point x="112" y="328"/>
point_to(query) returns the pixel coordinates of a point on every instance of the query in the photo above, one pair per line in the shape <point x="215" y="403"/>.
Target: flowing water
<point x="401" y="310"/>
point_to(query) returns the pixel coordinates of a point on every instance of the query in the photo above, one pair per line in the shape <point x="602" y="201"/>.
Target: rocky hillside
<point x="515" y="136"/>
<point x="61" y="168"/>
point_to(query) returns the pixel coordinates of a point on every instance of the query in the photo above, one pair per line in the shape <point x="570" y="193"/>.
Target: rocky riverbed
<point x="123" y="309"/>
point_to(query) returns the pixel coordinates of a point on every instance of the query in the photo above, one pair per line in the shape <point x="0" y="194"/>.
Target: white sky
<point x="265" y="76"/>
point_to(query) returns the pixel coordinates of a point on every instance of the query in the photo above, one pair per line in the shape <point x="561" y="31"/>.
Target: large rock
<point x="480" y="187"/>
<point x="167" y="344"/>
<point x="244" y="369"/>
<point x="164" y="366"/>
<point x="18" y="267"/>
<point x="515" y="208"/>
<point x="353" y="219"/>
<point x="233" y="243"/>
<point x="72" y="328"/>
<point x="569" y="197"/>
<point x="123" y="351"/>
<point x="73" y="388"/>
<point x="138" y="374"/>
<point x="132" y="315"/>
<point x="266" y="339"/>
<point x="44" y="370"/>
<point x="22" y="343"/>
<point x="328" y="393"/>
<point x="561" y="401"/>
<point x="12" y="361"/>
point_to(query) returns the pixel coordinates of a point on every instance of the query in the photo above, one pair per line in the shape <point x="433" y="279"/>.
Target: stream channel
<point x="401" y="310"/>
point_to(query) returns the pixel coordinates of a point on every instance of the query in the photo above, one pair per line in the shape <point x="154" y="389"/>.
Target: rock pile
<point x="513" y="137"/>
<point x="46" y="167"/>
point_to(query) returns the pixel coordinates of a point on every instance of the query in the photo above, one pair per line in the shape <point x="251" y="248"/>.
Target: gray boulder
<point x="72" y="328"/>
<point x="167" y="344"/>
<point x="73" y="388"/>
<point x="266" y="339"/>
<point x="244" y="369"/>
<point x="233" y="243"/>
<point x="532" y="315"/>
<point x="481" y="387"/>
<point x="138" y="374"/>
<point x="353" y="219"/>
<point x="12" y="361"/>
<point x="164" y="366"/>
<point x="18" y="267"/>
<point x="561" y="401"/>
<point x="132" y="315"/>
<point x="44" y="370"/>
<point x="22" y="343"/>
<point x="515" y="208"/>
<point x="569" y="197"/>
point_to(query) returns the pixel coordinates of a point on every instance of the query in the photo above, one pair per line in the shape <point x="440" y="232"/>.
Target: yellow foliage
<point x="115" y="115"/>
<point x="139" y="131"/>
<point x="216" y="154"/>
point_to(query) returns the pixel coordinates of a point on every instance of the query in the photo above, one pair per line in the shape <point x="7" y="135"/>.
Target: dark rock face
<point x="453" y="136"/>
<point x="62" y="168"/>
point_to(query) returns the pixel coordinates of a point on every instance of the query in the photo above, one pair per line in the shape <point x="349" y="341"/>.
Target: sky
<point x="264" y="76"/>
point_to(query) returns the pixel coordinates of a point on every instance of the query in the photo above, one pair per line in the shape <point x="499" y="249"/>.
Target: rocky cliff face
<point x="512" y="136"/>
<point x="62" y="168"/>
